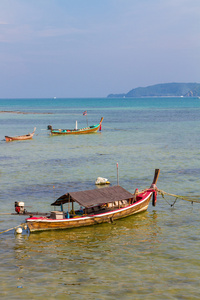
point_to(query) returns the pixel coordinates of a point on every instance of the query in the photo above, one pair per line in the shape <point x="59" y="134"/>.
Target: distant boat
<point x="96" y="206"/>
<point x="89" y="129"/>
<point x="20" y="137"/>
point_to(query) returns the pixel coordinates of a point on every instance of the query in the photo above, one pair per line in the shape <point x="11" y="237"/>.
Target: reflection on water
<point x="133" y="257"/>
<point x="102" y="232"/>
<point x="88" y="257"/>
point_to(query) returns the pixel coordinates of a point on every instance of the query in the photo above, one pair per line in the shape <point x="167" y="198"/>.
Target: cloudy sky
<point x="91" y="48"/>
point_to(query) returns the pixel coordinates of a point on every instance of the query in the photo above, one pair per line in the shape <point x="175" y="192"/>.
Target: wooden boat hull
<point x="43" y="223"/>
<point x="20" y="137"/>
<point x="17" y="138"/>
<point x="86" y="130"/>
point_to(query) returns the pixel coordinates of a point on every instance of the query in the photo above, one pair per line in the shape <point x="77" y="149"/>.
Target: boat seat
<point x="95" y="208"/>
<point x="125" y="203"/>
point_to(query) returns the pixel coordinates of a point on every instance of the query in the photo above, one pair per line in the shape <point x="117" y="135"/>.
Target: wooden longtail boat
<point x="89" y="129"/>
<point x="97" y="206"/>
<point x="20" y="137"/>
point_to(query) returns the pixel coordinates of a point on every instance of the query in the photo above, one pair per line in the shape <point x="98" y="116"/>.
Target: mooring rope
<point x="21" y="225"/>
<point x="186" y="198"/>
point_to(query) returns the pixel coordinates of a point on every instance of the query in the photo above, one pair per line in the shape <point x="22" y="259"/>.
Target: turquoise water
<point x="154" y="255"/>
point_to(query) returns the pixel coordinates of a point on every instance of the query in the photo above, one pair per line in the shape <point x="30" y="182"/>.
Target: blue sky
<point x="91" y="48"/>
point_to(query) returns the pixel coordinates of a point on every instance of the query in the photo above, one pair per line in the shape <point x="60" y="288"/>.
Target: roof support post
<point x="69" y="204"/>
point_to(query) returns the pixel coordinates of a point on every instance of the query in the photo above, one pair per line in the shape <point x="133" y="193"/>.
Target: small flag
<point x="85" y="113"/>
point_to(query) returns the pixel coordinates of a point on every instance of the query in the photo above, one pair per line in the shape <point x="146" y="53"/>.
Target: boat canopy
<point x="95" y="197"/>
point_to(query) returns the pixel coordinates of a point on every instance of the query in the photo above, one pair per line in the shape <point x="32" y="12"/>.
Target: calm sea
<point x="153" y="255"/>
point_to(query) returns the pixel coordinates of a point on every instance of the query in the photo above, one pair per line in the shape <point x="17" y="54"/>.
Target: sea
<point x="151" y="255"/>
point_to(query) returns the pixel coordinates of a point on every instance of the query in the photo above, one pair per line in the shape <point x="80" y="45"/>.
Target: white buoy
<point x="18" y="230"/>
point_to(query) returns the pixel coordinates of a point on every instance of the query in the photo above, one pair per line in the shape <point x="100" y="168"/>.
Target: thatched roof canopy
<point x="95" y="197"/>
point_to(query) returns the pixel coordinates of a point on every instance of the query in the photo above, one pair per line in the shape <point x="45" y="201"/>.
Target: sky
<point x="91" y="48"/>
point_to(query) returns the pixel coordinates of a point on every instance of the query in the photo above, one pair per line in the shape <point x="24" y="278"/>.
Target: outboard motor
<point x="49" y="127"/>
<point x="19" y="207"/>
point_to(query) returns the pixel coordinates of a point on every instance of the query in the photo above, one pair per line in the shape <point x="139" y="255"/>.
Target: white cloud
<point x="13" y="34"/>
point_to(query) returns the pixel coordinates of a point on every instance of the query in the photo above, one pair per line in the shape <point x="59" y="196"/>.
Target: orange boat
<point x="96" y="206"/>
<point x="20" y="137"/>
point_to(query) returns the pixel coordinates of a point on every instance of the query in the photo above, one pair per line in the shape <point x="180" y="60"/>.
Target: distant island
<point x="163" y="90"/>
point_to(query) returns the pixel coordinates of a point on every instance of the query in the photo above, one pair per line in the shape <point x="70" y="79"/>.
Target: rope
<point x="186" y="198"/>
<point x="11" y="228"/>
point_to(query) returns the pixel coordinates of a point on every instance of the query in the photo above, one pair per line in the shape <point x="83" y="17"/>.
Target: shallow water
<point x="153" y="255"/>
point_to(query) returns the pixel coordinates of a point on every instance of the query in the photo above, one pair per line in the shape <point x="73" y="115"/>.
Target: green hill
<point x="163" y="90"/>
